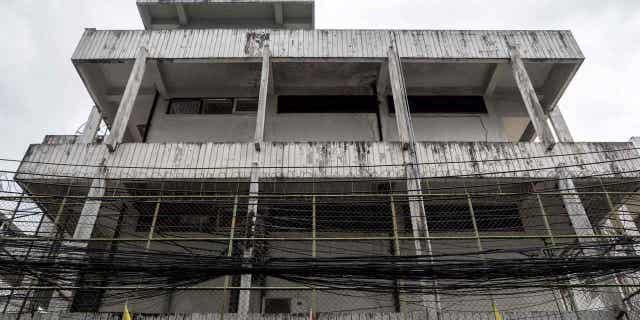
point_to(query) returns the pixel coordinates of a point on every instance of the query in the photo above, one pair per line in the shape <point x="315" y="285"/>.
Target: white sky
<point x="41" y="93"/>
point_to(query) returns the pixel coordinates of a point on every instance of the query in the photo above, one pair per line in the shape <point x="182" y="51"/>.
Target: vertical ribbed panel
<point x="238" y="43"/>
<point x="328" y="160"/>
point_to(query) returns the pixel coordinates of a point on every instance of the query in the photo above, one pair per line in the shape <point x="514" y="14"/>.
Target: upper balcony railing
<point x="348" y="44"/>
<point x="328" y="160"/>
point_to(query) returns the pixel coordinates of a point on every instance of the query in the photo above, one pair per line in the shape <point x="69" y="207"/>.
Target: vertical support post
<point x="28" y="281"/>
<point x="252" y="213"/>
<point x="154" y="221"/>
<point x="314" y="306"/>
<point x="128" y="100"/>
<point x="414" y="186"/>
<point x="225" y="294"/>
<point x="583" y="229"/>
<point x="254" y="186"/>
<point x="91" y="127"/>
<point x="620" y="226"/>
<point x="547" y="226"/>
<point x="559" y="125"/>
<point x="11" y="222"/>
<point x="530" y="98"/>
<point x="263" y="96"/>
<point x="396" y="248"/>
<point x="382" y="88"/>
<point x="84" y="228"/>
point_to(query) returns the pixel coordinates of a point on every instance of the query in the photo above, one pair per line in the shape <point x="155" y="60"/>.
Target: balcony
<point x="305" y="160"/>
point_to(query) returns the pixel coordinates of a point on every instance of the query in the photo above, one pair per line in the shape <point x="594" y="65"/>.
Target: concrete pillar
<point x="414" y="186"/>
<point x="559" y="125"/>
<point x="91" y="127"/>
<point x="129" y="96"/>
<point x="530" y="98"/>
<point x="583" y="299"/>
<point x="266" y="87"/>
<point x="382" y="89"/>
<point x="263" y="96"/>
<point x="61" y="300"/>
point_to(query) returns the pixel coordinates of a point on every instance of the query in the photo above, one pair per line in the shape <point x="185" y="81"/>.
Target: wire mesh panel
<point x="323" y="247"/>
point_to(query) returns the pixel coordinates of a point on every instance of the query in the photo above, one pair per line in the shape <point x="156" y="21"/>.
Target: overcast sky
<point x="41" y="93"/>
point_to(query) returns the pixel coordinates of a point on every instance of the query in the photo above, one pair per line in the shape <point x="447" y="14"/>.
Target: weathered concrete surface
<point x="329" y="160"/>
<point x="239" y="43"/>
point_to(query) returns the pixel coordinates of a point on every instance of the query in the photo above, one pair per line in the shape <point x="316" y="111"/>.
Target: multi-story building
<point x="257" y="165"/>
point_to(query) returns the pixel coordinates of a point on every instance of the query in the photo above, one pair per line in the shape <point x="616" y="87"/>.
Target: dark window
<point x="374" y="217"/>
<point x="246" y="105"/>
<point x="185" y="106"/>
<point x="273" y="305"/>
<point x="443" y="104"/>
<point x="332" y="217"/>
<point x="187" y="216"/>
<point x="213" y="106"/>
<point x="218" y="106"/>
<point x="327" y="104"/>
<point x="458" y="218"/>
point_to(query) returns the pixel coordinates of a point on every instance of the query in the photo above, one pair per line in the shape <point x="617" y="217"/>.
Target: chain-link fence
<point x="323" y="247"/>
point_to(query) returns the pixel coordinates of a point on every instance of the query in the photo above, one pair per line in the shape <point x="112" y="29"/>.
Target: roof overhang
<point x="163" y="14"/>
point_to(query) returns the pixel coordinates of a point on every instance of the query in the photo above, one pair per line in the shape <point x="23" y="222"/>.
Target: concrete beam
<point x="128" y="100"/>
<point x="91" y="127"/>
<point x="183" y="18"/>
<point x="278" y="13"/>
<point x="158" y="79"/>
<point x="559" y="125"/>
<point x="263" y="96"/>
<point x="492" y="80"/>
<point x="531" y="102"/>
<point x="97" y="87"/>
<point x="145" y="16"/>
<point x="557" y="82"/>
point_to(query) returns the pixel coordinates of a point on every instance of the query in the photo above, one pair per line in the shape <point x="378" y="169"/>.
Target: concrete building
<point x="237" y="128"/>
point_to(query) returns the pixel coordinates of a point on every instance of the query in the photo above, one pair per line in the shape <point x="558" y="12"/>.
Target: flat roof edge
<point x="231" y="43"/>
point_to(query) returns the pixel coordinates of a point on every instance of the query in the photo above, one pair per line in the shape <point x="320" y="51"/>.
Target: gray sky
<point x="41" y="93"/>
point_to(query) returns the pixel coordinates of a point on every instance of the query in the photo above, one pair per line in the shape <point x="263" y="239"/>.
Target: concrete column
<point x="263" y="96"/>
<point x="61" y="300"/>
<point x="559" y="125"/>
<point x="530" y="98"/>
<point x="582" y="226"/>
<point x="414" y="186"/>
<point x="266" y="87"/>
<point x="91" y="127"/>
<point x="129" y="96"/>
<point x="382" y="88"/>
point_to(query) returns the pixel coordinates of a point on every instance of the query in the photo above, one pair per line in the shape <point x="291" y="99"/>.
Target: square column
<point x="61" y="300"/>
<point x="266" y="88"/>
<point x="128" y="100"/>
<point x="530" y="98"/>
<point x="559" y="125"/>
<point x="419" y="223"/>
<point x="91" y="127"/>
<point x="583" y="229"/>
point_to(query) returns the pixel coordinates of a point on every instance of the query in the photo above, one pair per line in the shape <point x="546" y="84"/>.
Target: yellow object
<point x="496" y="313"/>
<point x="127" y="316"/>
